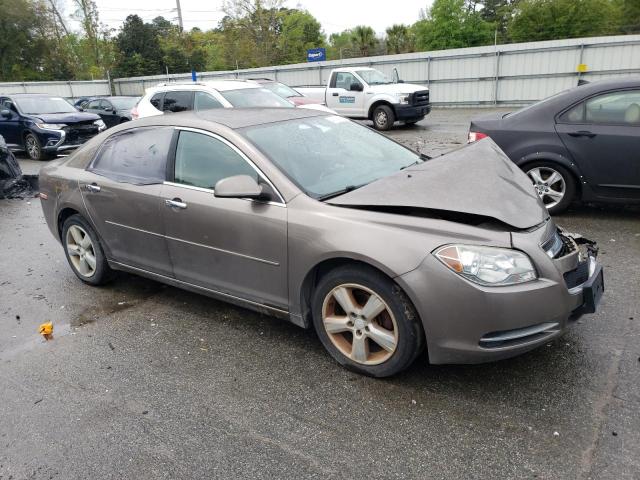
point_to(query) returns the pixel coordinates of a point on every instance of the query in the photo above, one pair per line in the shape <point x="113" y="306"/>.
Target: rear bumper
<point x="411" y="112"/>
<point x="468" y="323"/>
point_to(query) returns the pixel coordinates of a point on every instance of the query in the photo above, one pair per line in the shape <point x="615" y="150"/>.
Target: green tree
<point x="363" y="39"/>
<point x="400" y="39"/>
<point x="341" y="46"/>
<point x="535" y="20"/>
<point x="300" y="31"/>
<point x="452" y="24"/>
<point x="139" y="49"/>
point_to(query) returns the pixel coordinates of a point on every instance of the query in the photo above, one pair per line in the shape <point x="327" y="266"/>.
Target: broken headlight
<point x="489" y="266"/>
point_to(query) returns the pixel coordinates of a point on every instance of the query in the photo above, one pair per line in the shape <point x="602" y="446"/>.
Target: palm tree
<point x="399" y="39"/>
<point x="363" y="39"/>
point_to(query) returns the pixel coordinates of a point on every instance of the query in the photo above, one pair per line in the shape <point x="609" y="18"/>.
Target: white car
<point x="362" y="92"/>
<point x="180" y="97"/>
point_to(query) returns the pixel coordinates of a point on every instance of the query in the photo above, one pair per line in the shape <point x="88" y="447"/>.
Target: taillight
<point x="475" y="136"/>
<point x="134" y="113"/>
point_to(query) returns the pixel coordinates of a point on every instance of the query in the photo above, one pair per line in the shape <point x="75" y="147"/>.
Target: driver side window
<point x="344" y="80"/>
<point x="202" y="160"/>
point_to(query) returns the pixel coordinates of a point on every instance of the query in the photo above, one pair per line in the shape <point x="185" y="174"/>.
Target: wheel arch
<point x="378" y="103"/>
<point x="63" y="214"/>
<point x="559" y="159"/>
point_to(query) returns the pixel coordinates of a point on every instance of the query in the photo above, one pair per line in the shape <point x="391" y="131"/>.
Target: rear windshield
<point x="39" y="105"/>
<point x="255" y="97"/>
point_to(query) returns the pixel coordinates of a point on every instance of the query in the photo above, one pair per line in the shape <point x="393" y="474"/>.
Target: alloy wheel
<point x="33" y="149"/>
<point x="81" y="251"/>
<point x="549" y="184"/>
<point x="360" y="324"/>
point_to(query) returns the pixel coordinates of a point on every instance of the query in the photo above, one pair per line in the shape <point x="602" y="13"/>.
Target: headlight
<point x="403" y="97"/>
<point x="100" y="124"/>
<point x="51" y="126"/>
<point x="488" y="266"/>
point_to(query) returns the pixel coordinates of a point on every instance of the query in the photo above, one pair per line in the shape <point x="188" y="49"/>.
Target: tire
<point x="411" y="123"/>
<point x="397" y="325"/>
<point x="75" y="229"/>
<point x="34" y="148"/>
<point x="383" y="118"/>
<point x="542" y="171"/>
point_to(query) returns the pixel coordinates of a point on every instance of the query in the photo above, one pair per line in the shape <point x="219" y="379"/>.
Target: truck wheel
<point x="383" y="117"/>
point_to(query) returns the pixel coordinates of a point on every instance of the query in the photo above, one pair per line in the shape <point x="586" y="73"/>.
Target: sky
<point x="334" y="15"/>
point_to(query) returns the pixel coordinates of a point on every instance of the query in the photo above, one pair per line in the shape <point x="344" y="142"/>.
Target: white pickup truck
<point x="362" y="92"/>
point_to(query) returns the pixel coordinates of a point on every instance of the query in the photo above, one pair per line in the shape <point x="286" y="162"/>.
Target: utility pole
<point x="179" y="15"/>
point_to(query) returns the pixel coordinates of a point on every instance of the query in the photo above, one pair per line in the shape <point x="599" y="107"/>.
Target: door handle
<point x="175" y="203"/>
<point x="335" y="94"/>
<point x="582" y="133"/>
<point x="92" y="187"/>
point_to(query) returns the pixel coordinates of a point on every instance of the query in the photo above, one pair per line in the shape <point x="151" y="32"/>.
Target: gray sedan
<point x="326" y="223"/>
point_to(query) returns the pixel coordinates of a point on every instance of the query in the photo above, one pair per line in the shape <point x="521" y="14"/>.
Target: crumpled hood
<point x="397" y="88"/>
<point x="477" y="179"/>
<point x="73" y="117"/>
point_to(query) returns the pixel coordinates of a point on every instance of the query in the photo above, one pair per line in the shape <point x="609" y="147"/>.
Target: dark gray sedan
<point x="319" y="220"/>
<point x="581" y="144"/>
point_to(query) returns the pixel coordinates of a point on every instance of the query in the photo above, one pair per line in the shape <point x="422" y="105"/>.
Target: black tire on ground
<point x="124" y="120"/>
<point x="411" y="123"/>
<point x="103" y="272"/>
<point x="410" y="334"/>
<point x="568" y="179"/>
<point x="383" y="117"/>
<point x="34" y="148"/>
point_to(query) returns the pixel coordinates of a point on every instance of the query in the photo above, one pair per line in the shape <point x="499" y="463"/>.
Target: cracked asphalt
<point x="145" y="381"/>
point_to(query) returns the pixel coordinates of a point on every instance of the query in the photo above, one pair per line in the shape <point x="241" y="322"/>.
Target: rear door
<point x="108" y="113"/>
<point x="177" y="101"/>
<point x="341" y="96"/>
<point x="234" y="246"/>
<point x="602" y="134"/>
<point x="121" y="189"/>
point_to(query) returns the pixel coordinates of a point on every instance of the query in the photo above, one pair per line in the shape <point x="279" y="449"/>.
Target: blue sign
<point x="316" y="55"/>
<point x="194" y="76"/>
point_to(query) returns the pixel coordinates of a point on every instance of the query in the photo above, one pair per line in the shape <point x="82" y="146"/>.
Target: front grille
<point x="79" y="133"/>
<point x="577" y="276"/>
<point x="420" y="98"/>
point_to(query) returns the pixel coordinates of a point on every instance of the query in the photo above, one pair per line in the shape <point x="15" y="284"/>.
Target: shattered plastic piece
<point x="46" y="330"/>
<point x="12" y="183"/>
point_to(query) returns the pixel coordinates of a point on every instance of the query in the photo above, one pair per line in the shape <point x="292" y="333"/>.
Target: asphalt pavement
<point x="147" y="381"/>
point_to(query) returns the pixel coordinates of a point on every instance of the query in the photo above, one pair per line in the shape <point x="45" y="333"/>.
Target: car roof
<point x="219" y="85"/>
<point x="233" y="118"/>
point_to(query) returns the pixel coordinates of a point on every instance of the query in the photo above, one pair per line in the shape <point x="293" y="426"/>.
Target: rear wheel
<point x="84" y="252"/>
<point x="383" y="117"/>
<point x="554" y="184"/>
<point x="366" y="321"/>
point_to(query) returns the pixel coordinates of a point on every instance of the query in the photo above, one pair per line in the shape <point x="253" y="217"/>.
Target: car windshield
<point x="38" y="105"/>
<point x="124" y="103"/>
<point x="329" y="155"/>
<point x="373" y="77"/>
<point x="281" y="89"/>
<point x="255" y="97"/>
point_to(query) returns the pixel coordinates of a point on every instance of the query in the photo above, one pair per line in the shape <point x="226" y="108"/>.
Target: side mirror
<point x="356" y="87"/>
<point x="108" y="110"/>
<point x="5" y="113"/>
<point x="238" y="186"/>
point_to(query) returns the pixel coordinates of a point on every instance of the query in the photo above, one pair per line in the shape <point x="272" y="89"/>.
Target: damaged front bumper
<point x="469" y="323"/>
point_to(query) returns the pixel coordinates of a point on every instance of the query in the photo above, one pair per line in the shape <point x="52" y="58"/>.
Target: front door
<point x="602" y="134"/>
<point x="237" y="247"/>
<point x="343" y="94"/>
<point x="10" y="126"/>
<point x="121" y="189"/>
<point x="108" y="113"/>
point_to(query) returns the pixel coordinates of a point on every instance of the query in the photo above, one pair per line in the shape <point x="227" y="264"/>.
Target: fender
<point x="377" y="99"/>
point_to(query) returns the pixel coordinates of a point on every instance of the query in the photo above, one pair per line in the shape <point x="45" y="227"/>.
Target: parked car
<point x="322" y="221"/>
<point x="581" y="144"/>
<point x="285" y="91"/>
<point x="112" y="110"/>
<point x="362" y="92"/>
<point x="78" y="102"/>
<point x="181" y="97"/>
<point x="43" y="125"/>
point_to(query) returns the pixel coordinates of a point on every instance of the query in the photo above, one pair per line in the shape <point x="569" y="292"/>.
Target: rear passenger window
<point x="204" y="101"/>
<point x="201" y="161"/>
<point x="574" y="115"/>
<point x="135" y="156"/>
<point x="156" y="100"/>
<point x="177" y="101"/>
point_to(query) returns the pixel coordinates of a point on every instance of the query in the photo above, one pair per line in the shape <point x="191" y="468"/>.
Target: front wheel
<point x="383" y="117"/>
<point x="34" y="148"/>
<point x="366" y="322"/>
<point x="554" y="184"/>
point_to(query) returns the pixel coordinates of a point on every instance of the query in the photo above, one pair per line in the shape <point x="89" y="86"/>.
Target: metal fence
<point x="503" y="74"/>
<point x="62" y="89"/>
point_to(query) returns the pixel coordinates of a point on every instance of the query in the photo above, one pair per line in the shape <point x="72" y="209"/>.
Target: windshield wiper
<point x="347" y="189"/>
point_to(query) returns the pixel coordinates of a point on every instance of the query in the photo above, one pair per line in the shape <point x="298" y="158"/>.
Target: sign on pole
<point x="316" y="55"/>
